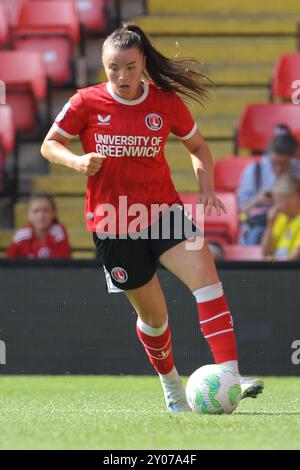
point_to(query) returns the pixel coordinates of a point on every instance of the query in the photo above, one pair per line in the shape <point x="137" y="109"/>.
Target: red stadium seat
<point x="12" y="9"/>
<point x="286" y="71"/>
<point x="258" y="120"/>
<point x="7" y="129"/>
<point x="243" y="253"/>
<point x="52" y="29"/>
<point x="2" y="172"/>
<point x="93" y="15"/>
<point x="7" y="141"/>
<point x="224" y="226"/>
<point x="25" y="80"/>
<point x="227" y="172"/>
<point x="4" y="32"/>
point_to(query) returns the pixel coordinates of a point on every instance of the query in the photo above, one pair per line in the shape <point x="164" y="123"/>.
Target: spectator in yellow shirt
<point x="281" y="240"/>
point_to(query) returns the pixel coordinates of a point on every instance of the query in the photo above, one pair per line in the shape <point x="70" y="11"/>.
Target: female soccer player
<point x="123" y="126"/>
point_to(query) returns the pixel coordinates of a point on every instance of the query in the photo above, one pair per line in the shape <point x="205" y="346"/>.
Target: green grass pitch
<point x="90" y="412"/>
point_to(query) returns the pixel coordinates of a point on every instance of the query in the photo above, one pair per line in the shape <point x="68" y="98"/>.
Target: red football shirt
<point x="26" y="245"/>
<point x="132" y="134"/>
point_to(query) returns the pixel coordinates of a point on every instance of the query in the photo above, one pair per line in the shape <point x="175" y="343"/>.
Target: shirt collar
<point x="128" y="102"/>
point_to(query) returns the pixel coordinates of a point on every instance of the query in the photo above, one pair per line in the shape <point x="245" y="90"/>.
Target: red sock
<point x="158" y="348"/>
<point x="216" y="323"/>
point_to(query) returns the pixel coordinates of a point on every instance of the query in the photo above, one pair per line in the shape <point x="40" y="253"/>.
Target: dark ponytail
<point x="168" y="74"/>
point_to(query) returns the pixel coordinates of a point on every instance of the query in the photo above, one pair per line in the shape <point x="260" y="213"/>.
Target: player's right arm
<point x="55" y="149"/>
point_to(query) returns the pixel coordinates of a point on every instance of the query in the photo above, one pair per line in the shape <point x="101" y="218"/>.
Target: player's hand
<point x="264" y="197"/>
<point x="210" y="201"/>
<point x="89" y="164"/>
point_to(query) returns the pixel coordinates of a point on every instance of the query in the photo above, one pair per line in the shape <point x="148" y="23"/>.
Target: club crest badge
<point x="154" y="122"/>
<point x="119" y="275"/>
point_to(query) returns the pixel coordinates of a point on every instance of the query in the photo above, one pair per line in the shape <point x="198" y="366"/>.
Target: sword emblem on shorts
<point x="119" y="274"/>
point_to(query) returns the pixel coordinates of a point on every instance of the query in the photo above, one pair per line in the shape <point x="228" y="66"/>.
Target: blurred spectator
<point x="281" y="240"/>
<point x="254" y="192"/>
<point x="44" y="237"/>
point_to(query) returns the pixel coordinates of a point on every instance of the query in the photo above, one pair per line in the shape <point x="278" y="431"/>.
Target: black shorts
<point x="130" y="263"/>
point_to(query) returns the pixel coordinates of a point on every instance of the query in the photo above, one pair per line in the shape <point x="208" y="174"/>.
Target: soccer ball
<point x="213" y="389"/>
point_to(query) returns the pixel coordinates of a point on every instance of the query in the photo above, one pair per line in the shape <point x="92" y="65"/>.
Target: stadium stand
<point x="4" y="30"/>
<point x="286" y="72"/>
<point x="253" y="36"/>
<point x="214" y="6"/>
<point x="5" y="239"/>
<point x="93" y="15"/>
<point x="8" y="165"/>
<point x="227" y="172"/>
<point x="224" y="226"/>
<point x="243" y="253"/>
<point x="7" y="144"/>
<point x="26" y="87"/>
<point x="7" y="129"/>
<point x="40" y="28"/>
<point x="257" y="121"/>
<point x="12" y="9"/>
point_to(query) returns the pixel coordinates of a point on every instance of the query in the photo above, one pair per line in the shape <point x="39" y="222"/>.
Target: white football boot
<point x="175" y="397"/>
<point x="251" y="387"/>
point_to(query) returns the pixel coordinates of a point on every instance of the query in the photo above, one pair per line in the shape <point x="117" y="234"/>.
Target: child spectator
<point x="44" y="237"/>
<point x="281" y="240"/>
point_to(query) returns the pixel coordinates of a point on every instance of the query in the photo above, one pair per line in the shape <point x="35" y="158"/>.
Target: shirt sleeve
<point x="12" y="251"/>
<point x="62" y="250"/>
<point x="70" y="121"/>
<point x="247" y="190"/>
<point x="182" y="124"/>
<point x="60" y="247"/>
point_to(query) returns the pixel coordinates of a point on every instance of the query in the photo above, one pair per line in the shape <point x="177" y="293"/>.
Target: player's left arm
<point x="203" y="166"/>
